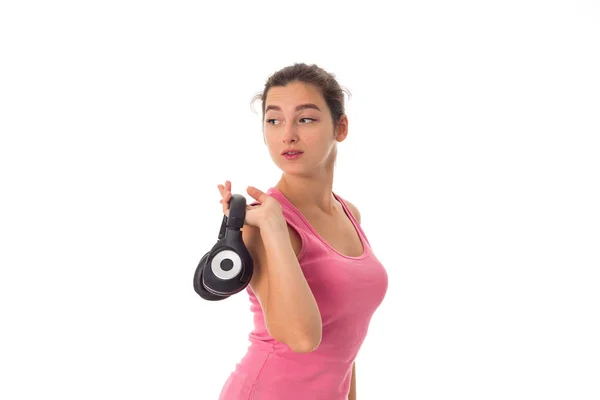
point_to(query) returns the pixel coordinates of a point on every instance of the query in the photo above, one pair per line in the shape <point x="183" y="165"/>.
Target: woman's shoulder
<point x="253" y="241"/>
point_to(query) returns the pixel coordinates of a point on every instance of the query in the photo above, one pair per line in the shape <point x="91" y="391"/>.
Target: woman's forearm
<point x="292" y="314"/>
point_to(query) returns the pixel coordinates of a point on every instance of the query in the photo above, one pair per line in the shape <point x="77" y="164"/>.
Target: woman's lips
<point x="291" y="156"/>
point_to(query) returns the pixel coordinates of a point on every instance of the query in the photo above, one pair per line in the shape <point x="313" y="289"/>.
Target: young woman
<point x="317" y="283"/>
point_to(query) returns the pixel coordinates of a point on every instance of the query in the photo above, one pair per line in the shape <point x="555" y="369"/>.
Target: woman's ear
<point x="341" y="129"/>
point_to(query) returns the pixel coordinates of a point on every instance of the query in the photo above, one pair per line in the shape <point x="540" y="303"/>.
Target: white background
<point x="472" y="155"/>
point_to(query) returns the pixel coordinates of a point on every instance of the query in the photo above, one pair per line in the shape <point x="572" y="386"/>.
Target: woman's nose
<point x="289" y="133"/>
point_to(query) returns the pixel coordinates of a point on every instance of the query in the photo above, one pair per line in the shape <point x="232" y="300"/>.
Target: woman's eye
<point x="272" y="120"/>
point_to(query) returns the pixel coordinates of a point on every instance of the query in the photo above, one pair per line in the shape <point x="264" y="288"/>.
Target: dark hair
<point x="325" y="81"/>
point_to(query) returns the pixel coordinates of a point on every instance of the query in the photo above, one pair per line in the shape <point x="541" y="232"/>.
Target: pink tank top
<point x="348" y="290"/>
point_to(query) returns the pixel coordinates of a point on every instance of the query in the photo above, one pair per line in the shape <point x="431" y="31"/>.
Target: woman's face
<point x="296" y="116"/>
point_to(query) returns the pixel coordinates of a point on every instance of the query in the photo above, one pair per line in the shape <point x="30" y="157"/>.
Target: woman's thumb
<point x="256" y="193"/>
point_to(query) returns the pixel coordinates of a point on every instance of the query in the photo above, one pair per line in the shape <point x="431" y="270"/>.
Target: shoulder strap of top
<point x="351" y="216"/>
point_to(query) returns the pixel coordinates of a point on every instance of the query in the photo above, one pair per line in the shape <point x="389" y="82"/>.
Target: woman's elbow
<point x="307" y="344"/>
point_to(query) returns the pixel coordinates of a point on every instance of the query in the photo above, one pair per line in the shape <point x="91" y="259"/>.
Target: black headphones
<point x="228" y="267"/>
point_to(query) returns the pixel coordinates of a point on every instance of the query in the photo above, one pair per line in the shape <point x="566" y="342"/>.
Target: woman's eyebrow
<point x="298" y="108"/>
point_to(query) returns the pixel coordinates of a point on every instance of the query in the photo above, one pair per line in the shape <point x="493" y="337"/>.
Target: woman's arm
<point x="352" y="392"/>
<point x="290" y="309"/>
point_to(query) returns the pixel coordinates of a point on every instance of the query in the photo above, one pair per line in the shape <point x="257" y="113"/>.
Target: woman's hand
<point x="257" y="215"/>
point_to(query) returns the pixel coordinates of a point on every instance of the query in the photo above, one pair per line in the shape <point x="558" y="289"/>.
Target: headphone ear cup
<point x="225" y="269"/>
<point x="226" y="264"/>
<point x="199" y="286"/>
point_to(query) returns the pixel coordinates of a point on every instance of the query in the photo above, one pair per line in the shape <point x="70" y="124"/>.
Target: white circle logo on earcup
<point x="232" y="256"/>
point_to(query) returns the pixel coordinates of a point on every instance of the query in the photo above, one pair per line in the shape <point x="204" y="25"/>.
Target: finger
<point x="226" y="195"/>
<point x="224" y="190"/>
<point x="226" y="187"/>
<point x="257" y="194"/>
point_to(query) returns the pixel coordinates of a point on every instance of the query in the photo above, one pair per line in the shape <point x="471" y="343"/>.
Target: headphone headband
<point x="237" y="214"/>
